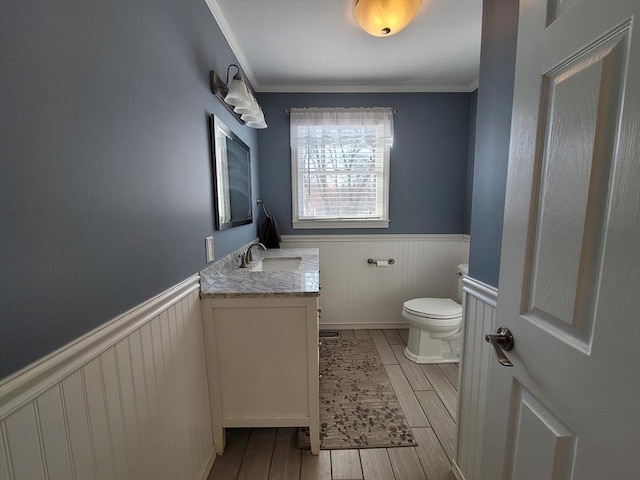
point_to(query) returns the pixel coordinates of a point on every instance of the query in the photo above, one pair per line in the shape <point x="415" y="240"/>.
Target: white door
<point x="569" y="291"/>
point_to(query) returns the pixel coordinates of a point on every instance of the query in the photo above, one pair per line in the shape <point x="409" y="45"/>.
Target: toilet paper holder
<point x="371" y="261"/>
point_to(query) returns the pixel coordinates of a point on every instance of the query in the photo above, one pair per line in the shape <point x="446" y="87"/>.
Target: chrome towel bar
<point x="371" y="261"/>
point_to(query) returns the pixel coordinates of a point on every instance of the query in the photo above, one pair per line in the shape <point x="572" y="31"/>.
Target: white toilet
<point x="434" y="326"/>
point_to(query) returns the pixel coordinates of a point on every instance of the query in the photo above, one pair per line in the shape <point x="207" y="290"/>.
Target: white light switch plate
<point x="209" y="249"/>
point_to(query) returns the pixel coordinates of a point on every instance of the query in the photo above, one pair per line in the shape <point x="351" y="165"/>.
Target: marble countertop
<point x="243" y="282"/>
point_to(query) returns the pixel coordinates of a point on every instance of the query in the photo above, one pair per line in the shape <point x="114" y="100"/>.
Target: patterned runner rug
<point x="358" y="407"/>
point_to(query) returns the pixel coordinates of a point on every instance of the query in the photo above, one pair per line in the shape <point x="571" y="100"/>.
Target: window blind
<point x="340" y="163"/>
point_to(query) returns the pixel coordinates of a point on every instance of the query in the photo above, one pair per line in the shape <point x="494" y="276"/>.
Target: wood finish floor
<point x="427" y="395"/>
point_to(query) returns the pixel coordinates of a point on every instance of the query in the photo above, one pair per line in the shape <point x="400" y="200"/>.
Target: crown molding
<point x="318" y="88"/>
<point x="215" y="10"/>
<point x="227" y="32"/>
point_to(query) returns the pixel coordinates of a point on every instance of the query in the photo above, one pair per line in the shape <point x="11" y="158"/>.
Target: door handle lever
<point x="501" y="340"/>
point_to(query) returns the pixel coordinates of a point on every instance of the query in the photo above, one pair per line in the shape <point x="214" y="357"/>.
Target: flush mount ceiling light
<point x="383" y="18"/>
<point x="237" y="98"/>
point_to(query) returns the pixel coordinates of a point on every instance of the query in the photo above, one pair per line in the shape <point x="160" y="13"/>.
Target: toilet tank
<point x="463" y="271"/>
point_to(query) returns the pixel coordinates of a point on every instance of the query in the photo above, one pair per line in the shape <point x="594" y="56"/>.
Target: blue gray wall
<point x="105" y="184"/>
<point x="428" y="173"/>
<point x="473" y="111"/>
<point x="493" y="125"/>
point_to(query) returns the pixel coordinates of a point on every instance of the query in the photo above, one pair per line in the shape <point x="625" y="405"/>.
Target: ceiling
<point x="317" y="46"/>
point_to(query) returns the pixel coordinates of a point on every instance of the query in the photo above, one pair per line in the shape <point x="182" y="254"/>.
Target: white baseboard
<point x="456" y="471"/>
<point x="206" y="470"/>
<point x="363" y="326"/>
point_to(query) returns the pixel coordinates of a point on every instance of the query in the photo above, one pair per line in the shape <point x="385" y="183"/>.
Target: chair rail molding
<point x="127" y="400"/>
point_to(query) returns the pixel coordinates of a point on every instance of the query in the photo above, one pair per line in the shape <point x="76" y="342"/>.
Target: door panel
<point x="581" y="100"/>
<point x="540" y="446"/>
<point x="570" y="272"/>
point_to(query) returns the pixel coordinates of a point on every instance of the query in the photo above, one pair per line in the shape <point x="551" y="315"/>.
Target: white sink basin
<point x="278" y="264"/>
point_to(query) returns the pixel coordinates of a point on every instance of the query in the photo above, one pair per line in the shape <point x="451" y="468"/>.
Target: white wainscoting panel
<point x="128" y="400"/>
<point x="479" y="301"/>
<point x="356" y="294"/>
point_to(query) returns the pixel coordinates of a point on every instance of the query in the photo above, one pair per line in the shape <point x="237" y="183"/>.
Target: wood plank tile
<point x="268" y="453"/>
<point x="441" y="422"/>
<point x="433" y="458"/>
<point x="316" y="467"/>
<point x="406" y="464"/>
<point x="451" y="371"/>
<point x="362" y="334"/>
<point x="404" y="334"/>
<point x="392" y="337"/>
<point x="376" y="464"/>
<point x="228" y="465"/>
<point x="347" y="334"/>
<point x="408" y="401"/>
<point x="345" y="465"/>
<point x="384" y="350"/>
<point x="285" y="463"/>
<point x="443" y="387"/>
<point x="257" y="456"/>
<point x="413" y="372"/>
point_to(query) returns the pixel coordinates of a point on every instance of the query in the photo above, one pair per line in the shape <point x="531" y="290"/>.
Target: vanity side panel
<point x="313" y="363"/>
<point x="211" y="355"/>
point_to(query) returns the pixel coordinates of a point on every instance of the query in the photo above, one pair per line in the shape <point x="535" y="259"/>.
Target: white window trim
<point x="373" y="222"/>
<point x="347" y="223"/>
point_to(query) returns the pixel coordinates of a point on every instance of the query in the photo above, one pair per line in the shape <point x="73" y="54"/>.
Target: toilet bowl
<point x="434" y="327"/>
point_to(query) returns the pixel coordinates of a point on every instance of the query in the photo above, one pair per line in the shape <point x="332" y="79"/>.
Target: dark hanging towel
<point x="269" y="231"/>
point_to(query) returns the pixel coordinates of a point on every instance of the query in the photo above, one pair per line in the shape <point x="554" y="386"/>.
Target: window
<point x="340" y="167"/>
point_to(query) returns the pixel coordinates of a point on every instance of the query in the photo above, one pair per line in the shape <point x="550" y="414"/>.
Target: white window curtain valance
<point x="342" y="117"/>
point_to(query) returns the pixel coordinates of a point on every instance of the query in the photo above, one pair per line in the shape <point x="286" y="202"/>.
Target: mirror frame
<point x="224" y="142"/>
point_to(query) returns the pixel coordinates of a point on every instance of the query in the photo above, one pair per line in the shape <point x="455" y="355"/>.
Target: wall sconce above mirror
<point x="237" y="98"/>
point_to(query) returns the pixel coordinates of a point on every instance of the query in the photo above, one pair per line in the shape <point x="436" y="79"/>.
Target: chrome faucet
<point x="248" y="256"/>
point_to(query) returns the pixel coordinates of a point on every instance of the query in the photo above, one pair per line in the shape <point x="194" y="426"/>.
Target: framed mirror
<point x="231" y="177"/>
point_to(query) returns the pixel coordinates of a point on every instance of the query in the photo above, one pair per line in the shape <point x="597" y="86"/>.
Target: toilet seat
<point x="433" y="308"/>
<point x="442" y="317"/>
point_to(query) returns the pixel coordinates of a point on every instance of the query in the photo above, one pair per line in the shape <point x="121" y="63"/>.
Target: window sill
<point x="308" y="224"/>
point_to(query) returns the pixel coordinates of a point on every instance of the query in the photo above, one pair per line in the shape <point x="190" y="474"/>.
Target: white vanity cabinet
<point x="262" y="362"/>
